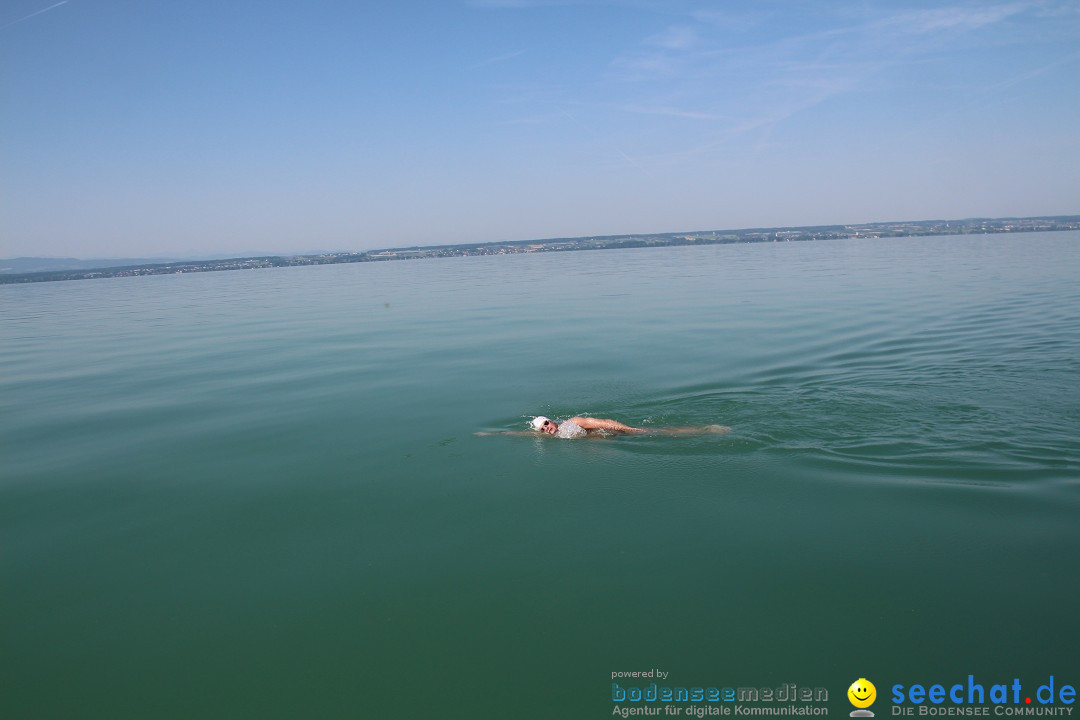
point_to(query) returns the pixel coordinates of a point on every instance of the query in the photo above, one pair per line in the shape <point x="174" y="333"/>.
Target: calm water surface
<point x="258" y="494"/>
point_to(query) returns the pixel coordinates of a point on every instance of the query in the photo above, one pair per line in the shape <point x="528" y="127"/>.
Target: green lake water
<point x="259" y="494"/>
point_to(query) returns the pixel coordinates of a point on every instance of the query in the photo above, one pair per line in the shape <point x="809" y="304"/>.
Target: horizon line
<point x="568" y="238"/>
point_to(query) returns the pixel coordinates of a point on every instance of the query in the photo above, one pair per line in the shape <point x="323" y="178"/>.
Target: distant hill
<point x="35" y="264"/>
<point x="17" y="266"/>
<point x="31" y="270"/>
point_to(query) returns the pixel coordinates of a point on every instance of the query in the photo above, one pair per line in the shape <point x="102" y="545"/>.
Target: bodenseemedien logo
<point x="862" y="694"/>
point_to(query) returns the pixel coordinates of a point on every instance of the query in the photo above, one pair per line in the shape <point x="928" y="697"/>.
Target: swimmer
<point x="578" y="427"/>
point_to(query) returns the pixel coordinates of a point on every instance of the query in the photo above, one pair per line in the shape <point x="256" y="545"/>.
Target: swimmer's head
<point x="544" y="425"/>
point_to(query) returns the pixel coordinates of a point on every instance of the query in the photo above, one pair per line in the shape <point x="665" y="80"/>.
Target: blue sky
<point x="151" y="128"/>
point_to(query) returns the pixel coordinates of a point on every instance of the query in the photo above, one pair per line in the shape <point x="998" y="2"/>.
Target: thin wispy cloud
<point x="671" y="111"/>
<point x="1032" y="74"/>
<point x="747" y="87"/>
<point x="638" y="66"/>
<point x="986" y="96"/>
<point x="1057" y="9"/>
<point x="34" y="14"/>
<point x="539" y="119"/>
<point x="756" y="86"/>
<point x="656" y="5"/>
<point x="505" y="3"/>
<point x="677" y="37"/>
<point x="607" y="141"/>
<point x="527" y="3"/>
<point x="955" y="18"/>
<point x="729" y="20"/>
<point x="498" y="59"/>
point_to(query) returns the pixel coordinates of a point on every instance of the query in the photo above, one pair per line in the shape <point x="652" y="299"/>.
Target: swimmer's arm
<point x="522" y="433"/>
<point x="587" y="423"/>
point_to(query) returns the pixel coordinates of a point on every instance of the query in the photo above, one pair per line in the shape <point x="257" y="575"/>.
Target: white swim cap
<point x="538" y="422"/>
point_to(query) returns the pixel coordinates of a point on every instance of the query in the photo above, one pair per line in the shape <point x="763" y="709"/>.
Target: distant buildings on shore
<point x="710" y="237"/>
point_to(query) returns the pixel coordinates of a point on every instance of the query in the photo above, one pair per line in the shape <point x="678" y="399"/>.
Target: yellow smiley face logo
<point x="862" y="693"/>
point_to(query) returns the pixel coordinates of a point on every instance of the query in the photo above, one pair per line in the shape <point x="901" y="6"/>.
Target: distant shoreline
<point x="973" y="226"/>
